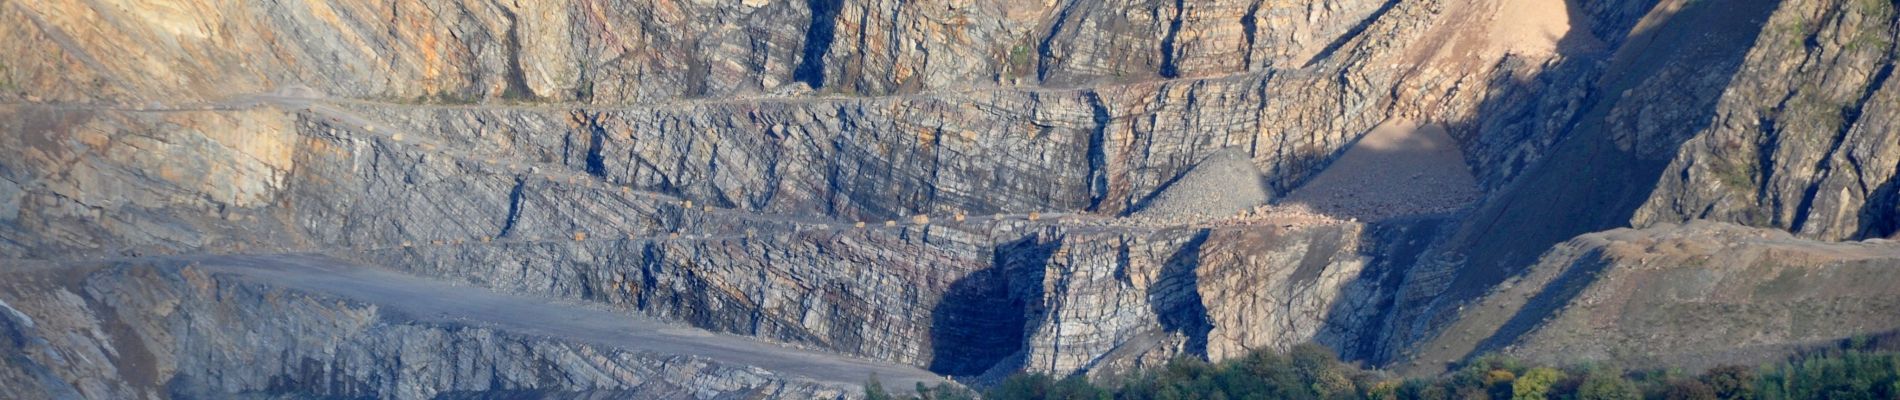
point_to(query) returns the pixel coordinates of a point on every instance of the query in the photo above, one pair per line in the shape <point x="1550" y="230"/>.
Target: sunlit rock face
<point x="939" y="191"/>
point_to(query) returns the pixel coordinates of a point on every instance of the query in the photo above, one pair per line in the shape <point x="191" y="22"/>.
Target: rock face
<point x="1113" y="302"/>
<point x="156" y="331"/>
<point x="961" y="301"/>
<point x="940" y="185"/>
<point x="1696" y="295"/>
<point x="604" y="52"/>
<point x="1620" y="149"/>
<point x="1819" y="161"/>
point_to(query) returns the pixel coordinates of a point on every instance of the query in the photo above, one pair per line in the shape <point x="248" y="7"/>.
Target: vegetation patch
<point x="1859" y="368"/>
<point x="1020" y="59"/>
<point x="6" y="77"/>
<point x="1738" y="175"/>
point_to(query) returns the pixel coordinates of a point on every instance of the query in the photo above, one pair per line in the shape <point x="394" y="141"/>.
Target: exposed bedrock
<point x="423" y="174"/>
<point x="1692" y="296"/>
<point x="1806" y="140"/>
<point x="615" y="52"/>
<point x="1633" y="146"/>
<point x="1118" y="301"/>
<point x="864" y="292"/>
<point x="935" y="184"/>
<point x="1055" y="299"/>
<point x="167" y="329"/>
<point x="356" y="160"/>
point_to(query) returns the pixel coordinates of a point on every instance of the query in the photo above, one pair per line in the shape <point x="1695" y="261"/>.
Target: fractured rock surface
<point x="227" y="326"/>
<point x="968" y="188"/>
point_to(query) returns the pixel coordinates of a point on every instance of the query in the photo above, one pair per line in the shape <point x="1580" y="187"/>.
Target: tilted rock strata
<point x="1119" y="301"/>
<point x="1806" y="138"/>
<point x="497" y="173"/>
<point x="607" y="52"/>
<point x="1657" y="92"/>
<point x="926" y="295"/>
<point x="145" y="331"/>
<point x="866" y="292"/>
<point x="708" y="162"/>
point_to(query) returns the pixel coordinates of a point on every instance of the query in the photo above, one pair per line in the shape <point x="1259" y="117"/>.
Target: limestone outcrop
<point x="167" y="330"/>
<point x="943" y="189"/>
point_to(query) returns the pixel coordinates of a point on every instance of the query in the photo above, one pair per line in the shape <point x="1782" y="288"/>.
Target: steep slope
<point x="1694" y="296"/>
<point x="1805" y="141"/>
<point x="566" y="151"/>
<point x="1673" y="66"/>
<point x="931" y="184"/>
<point x="1673" y="92"/>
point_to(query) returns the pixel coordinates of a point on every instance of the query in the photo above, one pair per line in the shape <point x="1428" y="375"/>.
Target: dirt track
<point x="432" y="301"/>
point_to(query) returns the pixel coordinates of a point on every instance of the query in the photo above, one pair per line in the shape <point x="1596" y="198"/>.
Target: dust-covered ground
<point x="432" y="301"/>
<point x="1398" y="169"/>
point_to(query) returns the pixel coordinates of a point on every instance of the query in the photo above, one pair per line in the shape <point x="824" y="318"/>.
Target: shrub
<point x="1536" y="384"/>
<point x="1731" y="382"/>
<point x="1687" y="389"/>
<point x="1603" y="384"/>
<point x="1312" y="372"/>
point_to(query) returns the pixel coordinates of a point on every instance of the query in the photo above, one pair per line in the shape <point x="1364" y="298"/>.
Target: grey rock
<point x="1222" y="184"/>
<point x="707" y="163"/>
<point x="1689" y="296"/>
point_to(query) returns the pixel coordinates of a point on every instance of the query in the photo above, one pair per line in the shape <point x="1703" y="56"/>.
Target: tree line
<point x="1858" y="369"/>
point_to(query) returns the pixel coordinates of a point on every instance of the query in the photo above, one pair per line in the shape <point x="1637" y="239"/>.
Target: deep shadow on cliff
<point x="984" y="317"/>
<point x="1352" y="326"/>
<point x="1182" y="311"/>
<point x="1593" y="177"/>
<point x="1880" y="224"/>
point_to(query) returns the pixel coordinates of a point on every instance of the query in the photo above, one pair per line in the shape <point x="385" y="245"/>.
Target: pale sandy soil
<point x="1530" y="28"/>
<point x="1399" y="169"/>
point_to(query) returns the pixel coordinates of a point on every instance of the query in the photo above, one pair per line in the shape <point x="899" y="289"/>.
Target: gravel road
<point x="431" y="301"/>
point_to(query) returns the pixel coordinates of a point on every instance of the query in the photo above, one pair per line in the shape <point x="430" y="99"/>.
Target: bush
<point x="1536" y="384"/>
<point x="1312" y="372"/>
<point x="1031" y="386"/>
<point x="1847" y="375"/>
<point x="874" y="390"/>
<point x="1731" y="382"/>
<point x="1604" y="384"/>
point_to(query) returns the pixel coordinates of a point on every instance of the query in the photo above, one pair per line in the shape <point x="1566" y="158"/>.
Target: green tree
<point x="1536" y="384"/>
<point x="1318" y="366"/>
<point x="874" y="390"/>
<point x="1499" y="382"/>
<point x="1385" y="390"/>
<point x="1022" y="386"/>
<point x="1431" y="392"/>
<point x="1607" y="385"/>
<point x="1733" y="382"/>
<point x="1687" y="389"/>
<point x="1076" y="387"/>
<point x="1313" y="373"/>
